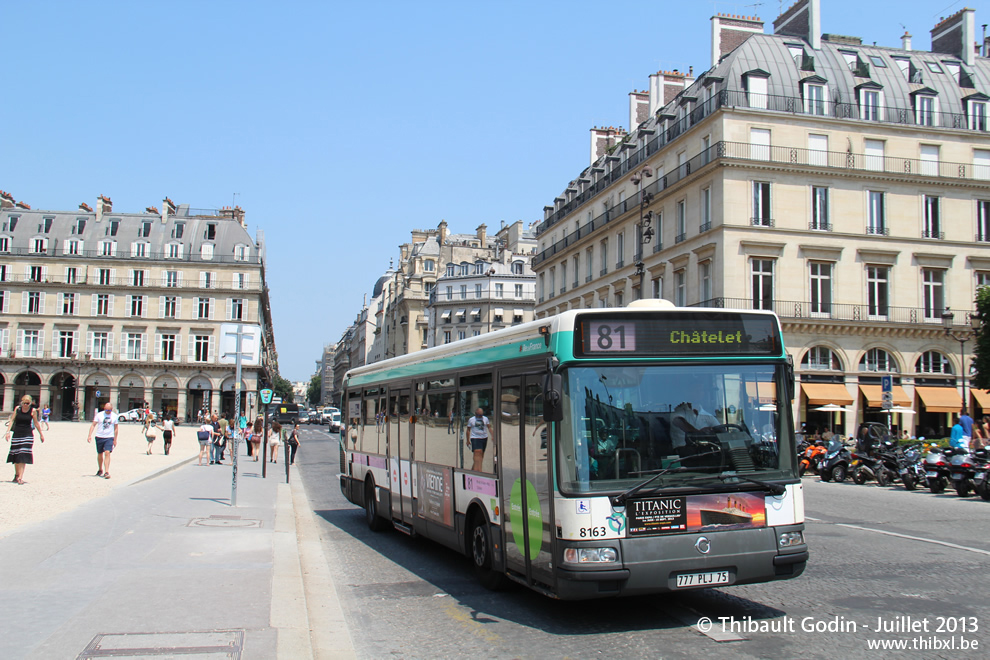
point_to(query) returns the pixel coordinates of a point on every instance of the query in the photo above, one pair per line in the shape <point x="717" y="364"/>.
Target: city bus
<point x="632" y="450"/>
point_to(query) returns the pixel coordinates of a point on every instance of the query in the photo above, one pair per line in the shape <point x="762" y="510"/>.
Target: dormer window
<point x="39" y="245"/>
<point x="933" y="67"/>
<point x="80" y="226"/>
<point x="904" y="64"/>
<point x="815" y="94"/>
<point x="108" y="248"/>
<point x="145" y="230"/>
<point x="450" y="270"/>
<point x="47" y="225"/>
<point x="180" y="227"/>
<point x="976" y="112"/>
<point x="10" y="224"/>
<point x="870" y="101"/>
<point x="878" y="62"/>
<point x="240" y="252"/>
<point x="757" y="84"/>
<point x="211" y="232"/>
<point x="850" y="57"/>
<point x="114" y="226"/>
<point x="925" y="108"/>
<point x="206" y="251"/>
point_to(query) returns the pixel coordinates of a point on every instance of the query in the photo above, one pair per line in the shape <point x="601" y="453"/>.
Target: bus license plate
<point x="702" y="579"/>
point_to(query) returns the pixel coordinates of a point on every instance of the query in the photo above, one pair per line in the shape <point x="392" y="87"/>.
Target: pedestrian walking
<point x="479" y="429"/>
<point x="105" y="425"/>
<point x="168" y="432"/>
<point x="256" y="432"/>
<point x="204" y="435"/>
<point x="274" y="439"/>
<point x="45" y="415"/>
<point x="293" y="443"/>
<point x="216" y="440"/>
<point x="20" y="433"/>
<point x="150" y="431"/>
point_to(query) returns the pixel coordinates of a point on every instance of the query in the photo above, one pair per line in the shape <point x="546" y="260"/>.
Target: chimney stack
<point x="168" y="208"/>
<point x="803" y="20"/>
<point x="729" y="31"/>
<point x="602" y="139"/>
<point x="906" y="40"/>
<point x="23" y="205"/>
<point x="83" y="206"/>
<point x="483" y="234"/>
<point x="442" y="232"/>
<point x="955" y="35"/>
<point x="103" y="205"/>
<point x="639" y="108"/>
<point x="6" y="200"/>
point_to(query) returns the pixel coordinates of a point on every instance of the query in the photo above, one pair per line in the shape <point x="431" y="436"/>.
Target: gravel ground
<point x="63" y="474"/>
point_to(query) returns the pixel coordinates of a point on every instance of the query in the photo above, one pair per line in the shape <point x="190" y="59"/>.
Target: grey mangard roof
<point x="769" y="52"/>
<point x="429" y="248"/>
<point x="30" y="225"/>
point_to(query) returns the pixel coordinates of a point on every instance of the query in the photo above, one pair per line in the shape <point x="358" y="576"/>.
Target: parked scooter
<point x="981" y="482"/>
<point x="835" y="466"/>
<point x="869" y="468"/>
<point x="937" y="468"/>
<point x="963" y="468"/>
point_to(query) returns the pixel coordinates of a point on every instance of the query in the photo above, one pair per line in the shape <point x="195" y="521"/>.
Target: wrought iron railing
<point x="806" y="309"/>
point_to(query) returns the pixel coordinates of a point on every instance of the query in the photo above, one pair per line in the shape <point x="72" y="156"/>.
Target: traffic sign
<point x="887" y="391"/>
<point x="276" y="399"/>
<point x="266" y="396"/>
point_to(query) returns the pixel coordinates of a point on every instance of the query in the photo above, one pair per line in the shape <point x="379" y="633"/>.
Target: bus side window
<point x="470" y="401"/>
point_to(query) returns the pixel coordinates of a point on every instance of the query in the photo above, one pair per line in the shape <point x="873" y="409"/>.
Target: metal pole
<point x="962" y="349"/>
<point x="264" y="446"/>
<point x="237" y="413"/>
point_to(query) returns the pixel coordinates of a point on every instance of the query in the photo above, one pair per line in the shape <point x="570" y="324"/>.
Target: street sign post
<point x="887" y="392"/>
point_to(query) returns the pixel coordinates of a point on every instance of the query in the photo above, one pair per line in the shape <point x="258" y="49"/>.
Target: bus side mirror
<point x="553" y="411"/>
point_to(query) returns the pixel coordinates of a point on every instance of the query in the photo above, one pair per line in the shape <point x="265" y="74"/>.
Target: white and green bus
<point x="636" y="450"/>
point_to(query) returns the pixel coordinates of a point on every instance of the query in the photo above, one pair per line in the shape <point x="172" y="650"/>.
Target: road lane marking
<point x="955" y="546"/>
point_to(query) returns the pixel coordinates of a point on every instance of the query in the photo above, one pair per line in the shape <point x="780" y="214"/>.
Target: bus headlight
<point x="591" y="555"/>
<point x="787" y="539"/>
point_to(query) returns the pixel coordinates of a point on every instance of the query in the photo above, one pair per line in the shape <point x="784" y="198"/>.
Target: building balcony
<point x="846" y="109"/>
<point x="123" y="254"/>
<point x="842" y="312"/>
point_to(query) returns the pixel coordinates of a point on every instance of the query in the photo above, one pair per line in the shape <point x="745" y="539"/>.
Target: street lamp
<point x="645" y="220"/>
<point x="490" y="273"/>
<point x="962" y="335"/>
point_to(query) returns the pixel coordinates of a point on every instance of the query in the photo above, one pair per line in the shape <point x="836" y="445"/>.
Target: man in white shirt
<point x="691" y="416"/>
<point x="105" y="425"/>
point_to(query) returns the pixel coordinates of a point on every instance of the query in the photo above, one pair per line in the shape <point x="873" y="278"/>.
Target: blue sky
<point x="339" y="127"/>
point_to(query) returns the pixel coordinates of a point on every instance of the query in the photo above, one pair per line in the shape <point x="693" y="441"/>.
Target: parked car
<point x="132" y="415"/>
<point x="335" y="422"/>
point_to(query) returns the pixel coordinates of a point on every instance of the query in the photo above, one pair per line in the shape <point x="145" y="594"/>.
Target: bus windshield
<point x="698" y="424"/>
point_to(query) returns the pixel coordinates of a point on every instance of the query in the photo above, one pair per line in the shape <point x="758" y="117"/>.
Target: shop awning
<point x="763" y="392"/>
<point x="940" y="399"/>
<point x="982" y="397"/>
<point x="820" y="394"/>
<point x="874" y="396"/>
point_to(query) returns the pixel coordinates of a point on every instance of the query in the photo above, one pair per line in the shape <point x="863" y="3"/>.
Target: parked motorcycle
<point x="981" y="482"/>
<point x="868" y="468"/>
<point x="911" y="467"/>
<point x="937" y="468"/>
<point x="963" y="468"/>
<point x="811" y="458"/>
<point x="835" y="465"/>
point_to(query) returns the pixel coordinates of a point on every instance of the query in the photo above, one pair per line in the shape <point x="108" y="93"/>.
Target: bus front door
<point x="525" y="492"/>
<point x="399" y="455"/>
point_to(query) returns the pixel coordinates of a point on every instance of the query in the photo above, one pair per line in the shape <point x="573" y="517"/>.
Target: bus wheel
<point x="480" y="539"/>
<point x="375" y="522"/>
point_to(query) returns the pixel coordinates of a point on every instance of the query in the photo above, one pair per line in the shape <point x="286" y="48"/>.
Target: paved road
<point x="876" y="552"/>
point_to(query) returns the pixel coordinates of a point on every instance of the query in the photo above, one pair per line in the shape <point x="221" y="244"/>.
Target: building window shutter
<point x="61" y="305"/>
<point x="211" y="350"/>
<point x="89" y="342"/>
<point x="180" y="278"/>
<point x="213" y="304"/>
<point x="113" y="275"/>
<point x="41" y="341"/>
<point x="44" y="273"/>
<point x="24" y="302"/>
<point x="230" y="308"/>
<point x="144" y="346"/>
<point x="161" y="307"/>
<point x="92" y="311"/>
<point x="20" y="342"/>
<point x="41" y="303"/>
<point x="192" y="347"/>
<point x="110" y="306"/>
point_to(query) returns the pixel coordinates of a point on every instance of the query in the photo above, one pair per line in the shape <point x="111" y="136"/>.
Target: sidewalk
<point x="143" y="565"/>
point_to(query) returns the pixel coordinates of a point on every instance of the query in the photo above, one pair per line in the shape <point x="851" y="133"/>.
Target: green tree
<point x="283" y="388"/>
<point x="315" y="389"/>
<point x="981" y="349"/>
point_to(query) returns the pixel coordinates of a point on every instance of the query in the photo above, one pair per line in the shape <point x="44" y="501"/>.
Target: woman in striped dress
<point x="20" y="433"/>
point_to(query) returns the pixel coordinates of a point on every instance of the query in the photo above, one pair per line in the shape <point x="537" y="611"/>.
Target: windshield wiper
<point x="620" y="499"/>
<point x="773" y="489"/>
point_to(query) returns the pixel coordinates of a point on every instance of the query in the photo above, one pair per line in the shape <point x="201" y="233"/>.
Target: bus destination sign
<point x="677" y="334"/>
